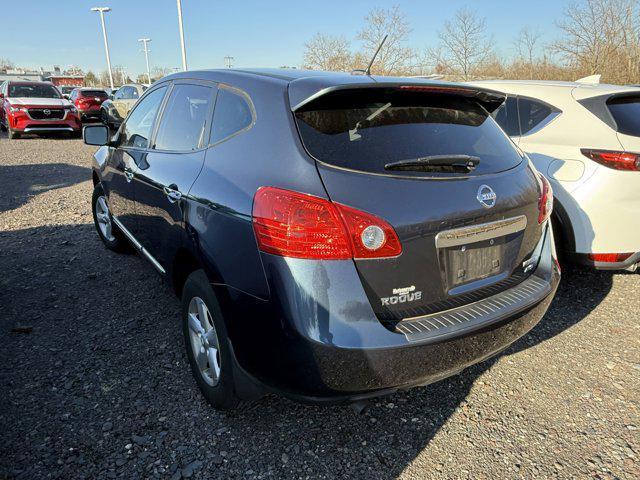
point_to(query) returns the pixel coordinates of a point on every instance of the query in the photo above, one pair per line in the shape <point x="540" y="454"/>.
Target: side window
<point x="134" y="93"/>
<point x="119" y="94"/>
<point x="531" y="113"/>
<point x="232" y="114"/>
<point x="184" y="118"/>
<point x="137" y="130"/>
<point x="507" y="117"/>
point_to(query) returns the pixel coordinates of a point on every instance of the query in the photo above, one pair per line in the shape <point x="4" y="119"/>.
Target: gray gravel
<point x="94" y="382"/>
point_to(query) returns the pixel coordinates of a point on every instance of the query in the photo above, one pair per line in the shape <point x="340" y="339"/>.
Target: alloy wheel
<point x="204" y="341"/>
<point x="104" y="218"/>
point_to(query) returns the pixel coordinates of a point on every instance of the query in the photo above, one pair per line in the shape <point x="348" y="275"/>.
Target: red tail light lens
<point x="545" y="200"/>
<point x="609" y="257"/>
<point x="371" y="237"/>
<point x="616" y="160"/>
<point x="293" y="224"/>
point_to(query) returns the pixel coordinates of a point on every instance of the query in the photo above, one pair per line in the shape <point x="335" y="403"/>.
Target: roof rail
<point x="590" y="80"/>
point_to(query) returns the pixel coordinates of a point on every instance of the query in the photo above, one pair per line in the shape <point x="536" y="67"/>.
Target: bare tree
<point x="324" y="52"/>
<point x="395" y="57"/>
<point x="159" y="72"/>
<point x="327" y="52"/>
<point x="90" y="79"/>
<point x="5" y="64"/>
<point x="526" y="44"/>
<point x="464" y="45"/>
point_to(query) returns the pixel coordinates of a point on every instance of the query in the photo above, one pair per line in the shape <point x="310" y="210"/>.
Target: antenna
<point x="368" y="70"/>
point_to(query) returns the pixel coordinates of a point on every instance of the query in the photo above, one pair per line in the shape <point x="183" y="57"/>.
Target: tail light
<point x="616" y="160"/>
<point x="545" y="200"/>
<point x="293" y="224"/>
<point x="609" y="257"/>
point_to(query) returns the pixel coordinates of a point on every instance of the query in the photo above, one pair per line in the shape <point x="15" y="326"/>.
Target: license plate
<point x="474" y="262"/>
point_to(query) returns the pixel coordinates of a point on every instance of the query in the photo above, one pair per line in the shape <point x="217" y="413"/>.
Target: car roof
<point x="303" y="85"/>
<point x="93" y="89"/>
<point x="28" y="82"/>
<point x="579" y="90"/>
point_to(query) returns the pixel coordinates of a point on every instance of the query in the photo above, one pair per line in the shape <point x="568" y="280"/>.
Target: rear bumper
<point x="93" y="114"/>
<point x="319" y="341"/>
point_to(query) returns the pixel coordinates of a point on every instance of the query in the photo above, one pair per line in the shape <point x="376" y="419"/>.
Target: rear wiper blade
<point x="466" y="163"/>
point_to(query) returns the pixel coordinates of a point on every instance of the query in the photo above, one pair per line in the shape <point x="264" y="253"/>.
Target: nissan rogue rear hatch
<point x="432" y="163"/>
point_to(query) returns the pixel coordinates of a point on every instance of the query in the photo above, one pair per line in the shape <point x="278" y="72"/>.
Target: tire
<point x="13" y="135"/>
<point x="215" y="379"/>
<point x="3" y="127"/>
<point x="110" y="235"/>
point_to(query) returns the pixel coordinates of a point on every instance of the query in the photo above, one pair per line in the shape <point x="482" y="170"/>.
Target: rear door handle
<point x="172" y="193"/>
<point x="128" y="173"/>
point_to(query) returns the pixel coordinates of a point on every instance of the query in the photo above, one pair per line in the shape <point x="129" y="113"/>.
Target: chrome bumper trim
<point x="48" y="129"/>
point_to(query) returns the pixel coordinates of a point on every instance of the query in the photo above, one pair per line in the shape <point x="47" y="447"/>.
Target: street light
<point x="184" y="52"/>
<point x="101" y="11"/>
<point x="145" y="42"/>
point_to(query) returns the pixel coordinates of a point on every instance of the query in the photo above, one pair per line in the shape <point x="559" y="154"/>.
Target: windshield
<point x="366" y="129"/>
<point x="33" y="90"/>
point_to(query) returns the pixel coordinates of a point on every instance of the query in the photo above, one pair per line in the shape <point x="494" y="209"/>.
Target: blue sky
<point x="256" y="33"/>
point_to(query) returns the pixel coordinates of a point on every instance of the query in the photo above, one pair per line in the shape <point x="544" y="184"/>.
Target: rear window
<point x="368" y="128"/>
<point x="626" y="113"/>
<point x="93" y="93"/>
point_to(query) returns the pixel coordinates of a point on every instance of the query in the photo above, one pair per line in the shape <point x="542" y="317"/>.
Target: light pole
<point x="145" y="42"/>
<point x="101" y="11"/>
<point x="184" y="52"/>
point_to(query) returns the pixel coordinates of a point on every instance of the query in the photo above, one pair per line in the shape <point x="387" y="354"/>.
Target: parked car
<point x="66" y="90"/>
<point x="114" y="111"/>
<point x="88" y="102"/>
<point x="332" y="237"/>
<point x="585" y="137"/>
<point x="35" y="107"/>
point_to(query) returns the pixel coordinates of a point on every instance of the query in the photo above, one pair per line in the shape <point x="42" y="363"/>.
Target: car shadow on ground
<point x="20" y="182"/>
<point x="107" y="345"/>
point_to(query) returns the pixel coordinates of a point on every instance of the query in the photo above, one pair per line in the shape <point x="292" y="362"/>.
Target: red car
<point x="88" y="102"/>
<point x="36" y="107"/>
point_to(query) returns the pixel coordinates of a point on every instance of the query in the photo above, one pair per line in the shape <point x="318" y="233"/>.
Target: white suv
<point x="585" y="138"/>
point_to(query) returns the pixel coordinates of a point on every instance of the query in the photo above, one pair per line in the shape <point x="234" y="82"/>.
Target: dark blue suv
<point x="333" y="237"/>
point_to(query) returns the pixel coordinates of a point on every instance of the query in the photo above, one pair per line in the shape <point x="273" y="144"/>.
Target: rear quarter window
<point x="232" y="114"/>
<point x="626" y="113"/>
<point x="532" y="114"/>
<point x="368" y="128"/>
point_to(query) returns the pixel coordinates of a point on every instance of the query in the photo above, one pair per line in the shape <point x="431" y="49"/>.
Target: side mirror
<point x="1" y="95"/>
<point x="95" y="135"/>
<point x="66" y="97"/>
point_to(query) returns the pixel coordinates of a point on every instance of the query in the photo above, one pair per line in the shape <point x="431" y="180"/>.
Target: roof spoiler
<point x="590" y="80"/>
<point x="489" y="99"/>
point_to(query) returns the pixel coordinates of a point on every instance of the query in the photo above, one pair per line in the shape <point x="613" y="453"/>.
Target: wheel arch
<point x="560" y="218"/>
<point x="184" y="264"/>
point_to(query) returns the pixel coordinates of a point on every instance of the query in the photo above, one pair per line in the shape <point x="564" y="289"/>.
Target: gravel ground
<point x="95" y="382"/>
